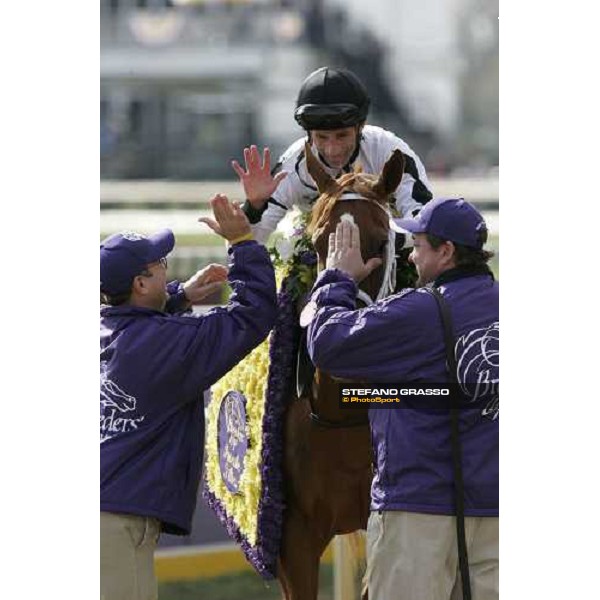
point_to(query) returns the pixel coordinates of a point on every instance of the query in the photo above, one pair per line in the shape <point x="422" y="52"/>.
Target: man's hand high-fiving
<point x="344" y="252"/>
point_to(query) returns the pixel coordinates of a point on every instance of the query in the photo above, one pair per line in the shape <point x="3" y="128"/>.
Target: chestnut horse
<point x="327" y="456"/>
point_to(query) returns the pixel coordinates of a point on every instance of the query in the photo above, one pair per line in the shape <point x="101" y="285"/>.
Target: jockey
<point x="332" y="107"/>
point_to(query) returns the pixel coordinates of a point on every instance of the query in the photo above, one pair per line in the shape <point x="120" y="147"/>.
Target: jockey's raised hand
<point x="257" y="180"/>
<point x="230" y="222"/>
<point x="344" y="252"/>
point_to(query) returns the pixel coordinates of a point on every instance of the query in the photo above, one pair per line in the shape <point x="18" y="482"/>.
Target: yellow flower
<point x="250" y="378"/>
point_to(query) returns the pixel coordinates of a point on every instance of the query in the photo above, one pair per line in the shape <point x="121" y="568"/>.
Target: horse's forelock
<point x="360" y="183"/>
<point x="321" y="212"/>
<point x="365" y="186"/>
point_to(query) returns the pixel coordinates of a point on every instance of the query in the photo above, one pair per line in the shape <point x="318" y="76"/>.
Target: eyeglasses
<point x="161" y="261"/>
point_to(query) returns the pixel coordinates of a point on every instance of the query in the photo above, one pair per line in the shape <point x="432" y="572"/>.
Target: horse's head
<point x="363" y="198"/>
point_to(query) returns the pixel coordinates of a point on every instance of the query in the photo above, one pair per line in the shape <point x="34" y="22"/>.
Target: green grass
<point x="199" y="239"/>
<point x="242" y="586"/>
<point x="494" y="246"/>
<point x="203" y="239"/>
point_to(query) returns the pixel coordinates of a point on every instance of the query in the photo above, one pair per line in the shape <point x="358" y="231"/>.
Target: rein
<point x="317" y="420"/>
<point x="388" y="283"/>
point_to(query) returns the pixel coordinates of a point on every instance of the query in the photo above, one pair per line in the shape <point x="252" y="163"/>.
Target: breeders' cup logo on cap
<point x="132" y="236"/>
<point x="478" y="367"/>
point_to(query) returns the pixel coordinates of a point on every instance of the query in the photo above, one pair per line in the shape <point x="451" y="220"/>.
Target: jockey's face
<point x="336" y="145"/>
<point x="429" y="261"/>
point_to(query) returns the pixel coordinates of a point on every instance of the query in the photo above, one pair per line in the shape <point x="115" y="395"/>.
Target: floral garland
<point x="243" y="505"/>
<point x="293" y="254"/>
<point x="253" y="516"/>
<point x="406" y="273"/>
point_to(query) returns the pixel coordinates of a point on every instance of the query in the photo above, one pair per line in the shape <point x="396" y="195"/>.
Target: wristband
<point x="243" y="238"/>
<point x="254" y="214"/>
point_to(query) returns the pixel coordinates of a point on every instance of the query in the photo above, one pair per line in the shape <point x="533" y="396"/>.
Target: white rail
<point x="483" y="190"/>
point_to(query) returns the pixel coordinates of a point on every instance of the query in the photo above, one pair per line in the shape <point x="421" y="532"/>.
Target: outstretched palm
<point x="257" y="180"/>
<point x="344" y="252"/>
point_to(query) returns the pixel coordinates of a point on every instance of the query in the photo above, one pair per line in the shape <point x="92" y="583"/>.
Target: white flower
<point x="285" y="248"/>
<point x="289" y="224"/>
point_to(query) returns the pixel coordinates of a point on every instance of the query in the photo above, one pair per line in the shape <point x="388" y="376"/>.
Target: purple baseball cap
<point x="452" y="219"/>
<point x="126" y="254"/>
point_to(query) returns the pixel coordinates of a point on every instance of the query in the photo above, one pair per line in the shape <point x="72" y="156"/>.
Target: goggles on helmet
<point x="328" y="116"/>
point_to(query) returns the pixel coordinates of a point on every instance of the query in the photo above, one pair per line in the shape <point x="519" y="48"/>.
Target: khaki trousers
<point x="127" y="544"/>
<point x="413" y="556"/>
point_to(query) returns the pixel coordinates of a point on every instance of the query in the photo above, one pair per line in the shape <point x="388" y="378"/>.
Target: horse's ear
<point x="325" y="182"/>
<point x="358" y="168"/>
<point x="391" y="175"/>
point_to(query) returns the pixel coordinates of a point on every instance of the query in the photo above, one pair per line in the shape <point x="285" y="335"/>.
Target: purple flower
<point x="308" y="257"/>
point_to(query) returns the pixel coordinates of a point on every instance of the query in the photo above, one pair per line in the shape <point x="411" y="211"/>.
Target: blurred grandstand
<point x="186" y="84"/>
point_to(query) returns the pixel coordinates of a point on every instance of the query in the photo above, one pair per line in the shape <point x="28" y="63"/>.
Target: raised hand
<point x="231" y="223"/>
<point x="205" y="282"/>
<point x="344" y="252"/>
<point x="257" y="180"/>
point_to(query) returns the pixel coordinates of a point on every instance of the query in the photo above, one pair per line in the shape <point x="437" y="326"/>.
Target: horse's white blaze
<point x="388" y="283"/>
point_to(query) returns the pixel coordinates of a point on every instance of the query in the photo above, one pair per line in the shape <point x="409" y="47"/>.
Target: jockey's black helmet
<point x="331" y="99"/>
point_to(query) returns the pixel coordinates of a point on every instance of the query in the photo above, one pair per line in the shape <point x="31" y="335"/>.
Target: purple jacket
<point x="400" y="340"/>
<point x="154" y="368"/>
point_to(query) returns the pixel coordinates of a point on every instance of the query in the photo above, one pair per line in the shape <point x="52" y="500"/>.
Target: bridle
<point x="388" y="282"/>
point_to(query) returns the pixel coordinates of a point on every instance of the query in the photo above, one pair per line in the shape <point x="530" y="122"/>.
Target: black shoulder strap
<point x="459" y="494"/>
<point x="448" y="331"/>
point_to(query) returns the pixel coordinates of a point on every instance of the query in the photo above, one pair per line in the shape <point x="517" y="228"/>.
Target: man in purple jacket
<point x="411" y="537"/>
<point x="154" y="368"/>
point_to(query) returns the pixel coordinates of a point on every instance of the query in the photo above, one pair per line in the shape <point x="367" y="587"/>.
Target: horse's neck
<point x="326" y="400"/>
<point x="325" y="392"/>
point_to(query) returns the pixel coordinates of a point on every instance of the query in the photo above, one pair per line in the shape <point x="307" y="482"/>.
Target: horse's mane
<point x="359" y="183"/>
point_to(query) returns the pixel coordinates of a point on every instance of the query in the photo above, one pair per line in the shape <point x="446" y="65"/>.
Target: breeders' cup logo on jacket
<point x="478" y="367"/>
<point x="111" y="395"/>
<point x="114" y="402"/>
